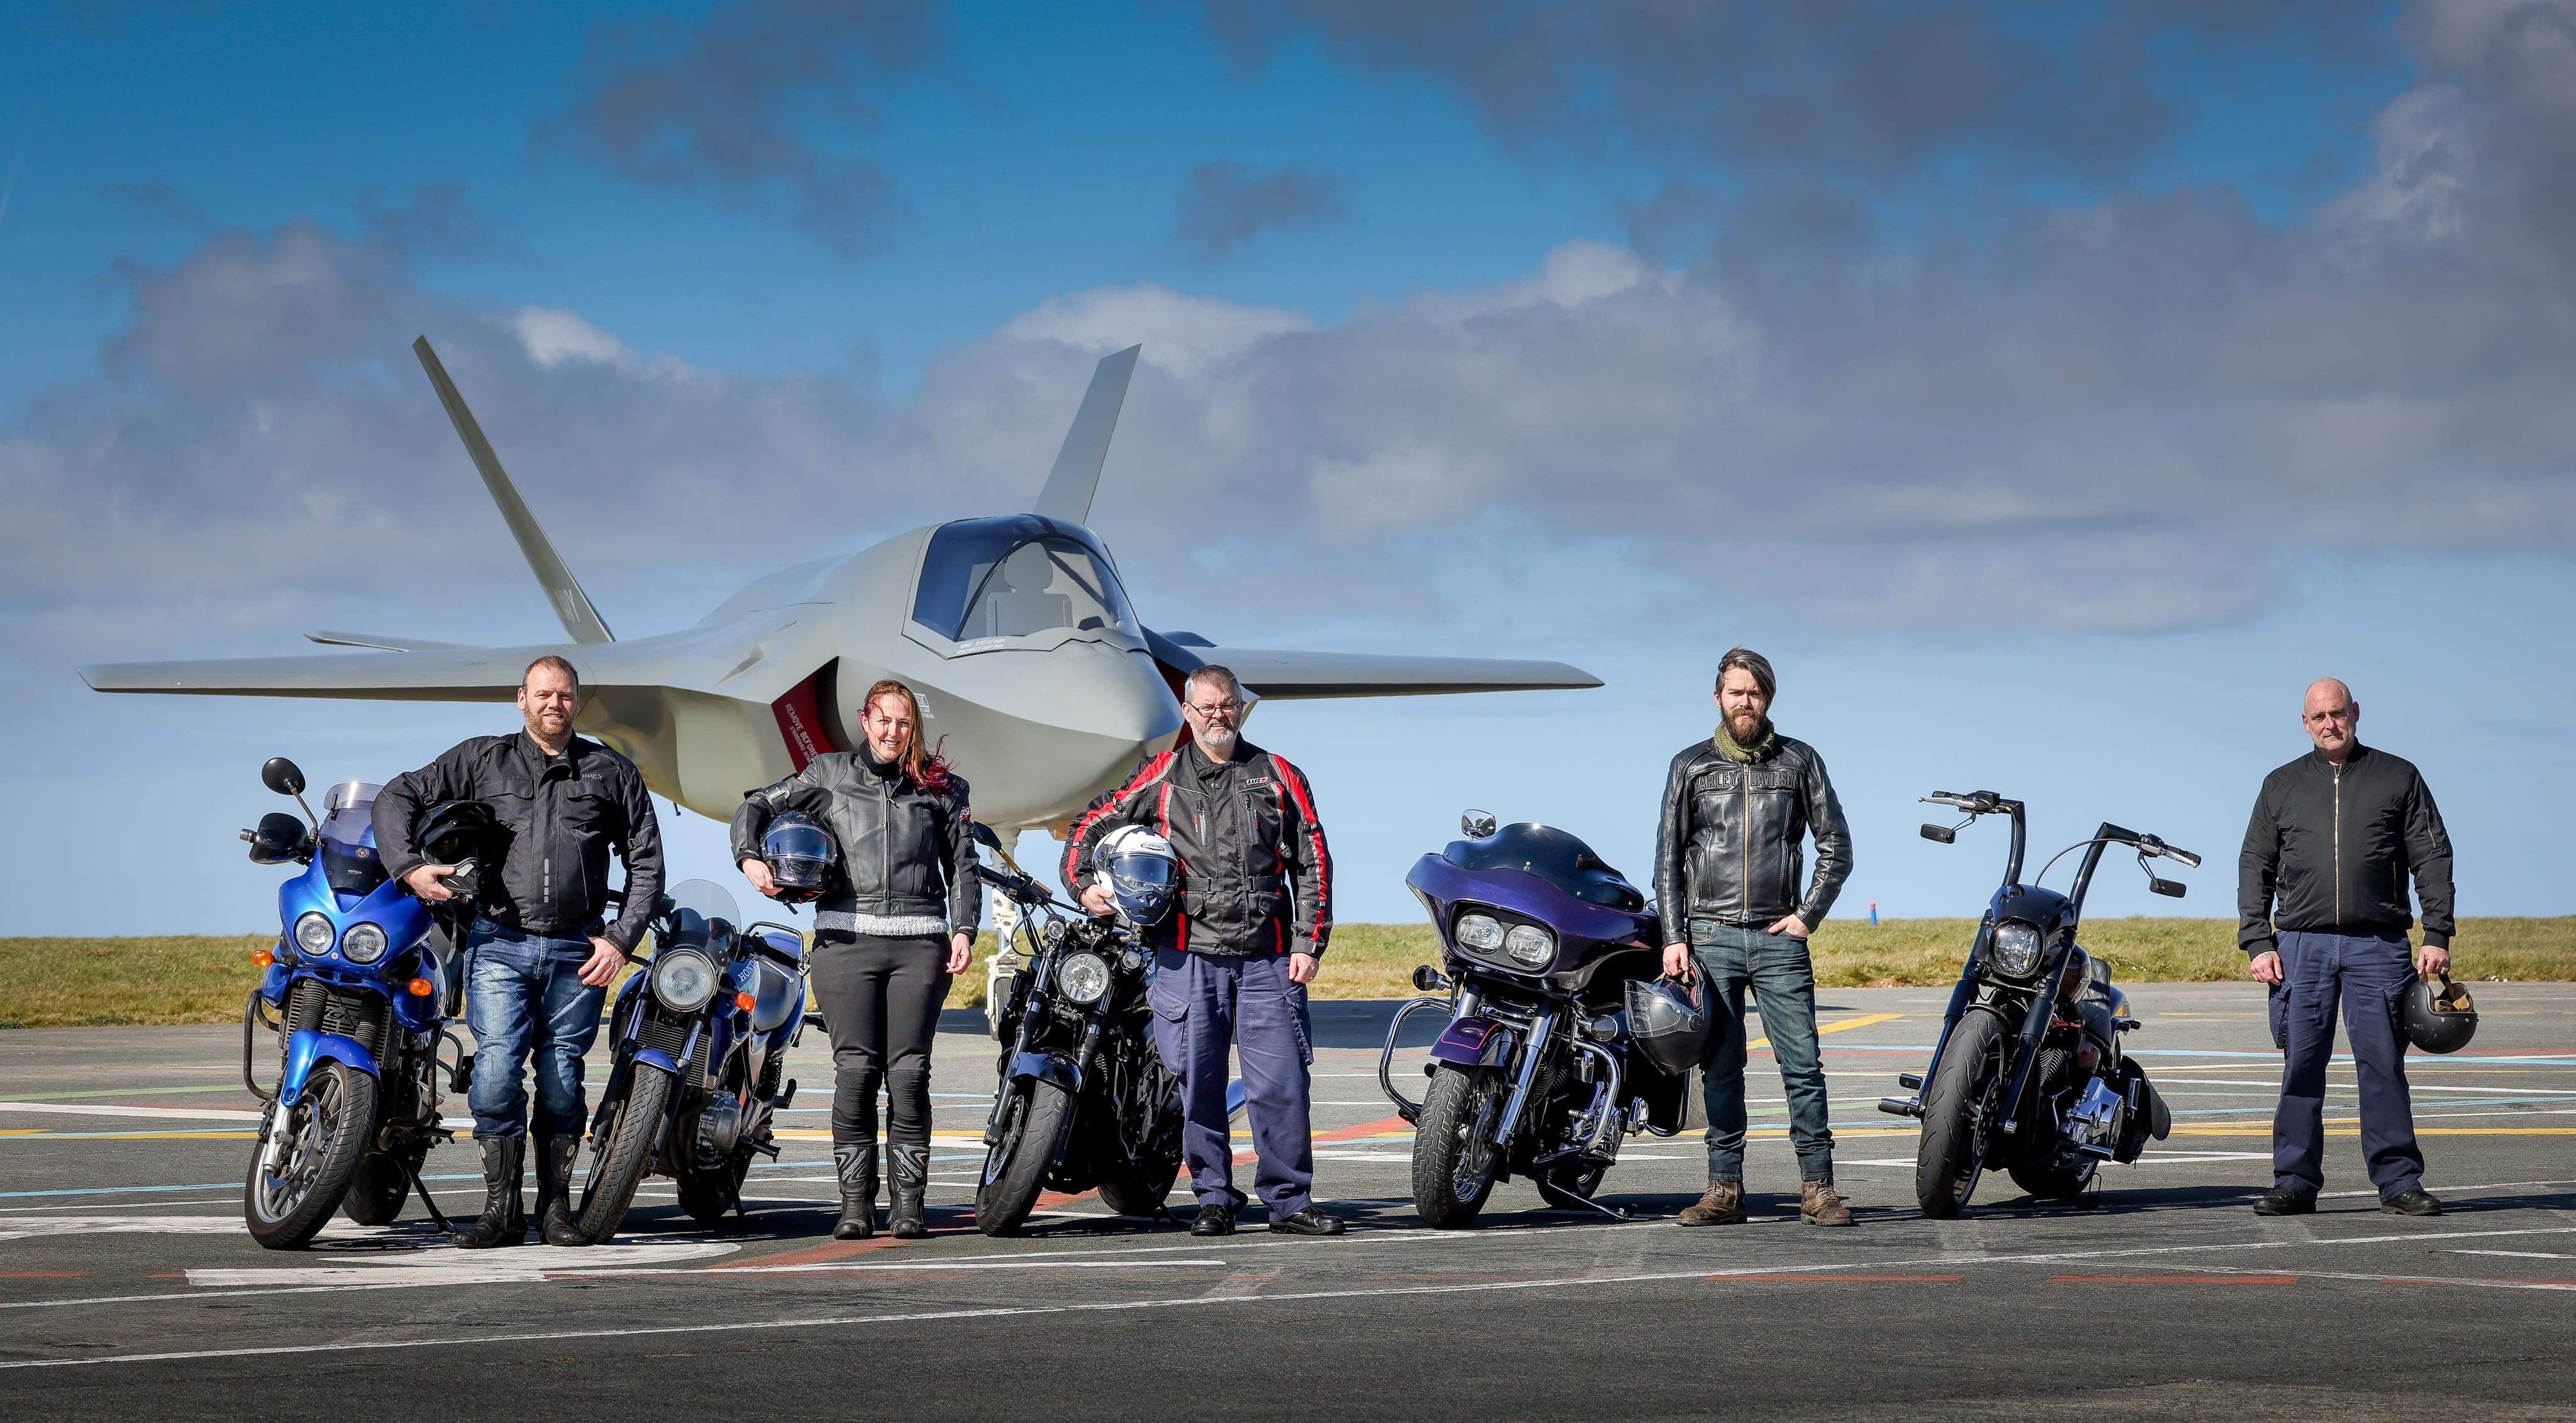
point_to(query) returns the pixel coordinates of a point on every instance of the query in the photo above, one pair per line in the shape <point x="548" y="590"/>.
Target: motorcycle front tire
<point x="1015" y="1168"/>
<point x="621" y="1157"/>
<point x="1453" y="1168"/>
<point x="349" y="1096"/>
<point x="1948" y="1161"/>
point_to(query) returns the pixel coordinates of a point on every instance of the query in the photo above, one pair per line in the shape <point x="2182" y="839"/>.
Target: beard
<point x="1219" y="741"/>
<point x="1743" y="725"/>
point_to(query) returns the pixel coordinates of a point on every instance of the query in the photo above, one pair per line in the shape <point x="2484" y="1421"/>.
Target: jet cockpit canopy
<point x="1019" y="580"/>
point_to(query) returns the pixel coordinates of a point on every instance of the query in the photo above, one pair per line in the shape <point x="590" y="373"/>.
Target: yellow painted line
<point x="22" y="1131"/>
<point x="1862" y="1021"/>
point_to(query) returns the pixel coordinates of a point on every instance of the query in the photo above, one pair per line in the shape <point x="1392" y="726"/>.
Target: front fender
<point x="655" y="1057"/>
<point x="1045" y="1067"/>
<point x="308" y="1046"/>
<point x="1474" y="1042"/>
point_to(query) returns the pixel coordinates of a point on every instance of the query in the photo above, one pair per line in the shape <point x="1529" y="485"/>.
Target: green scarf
<point x="1744" y="755"/>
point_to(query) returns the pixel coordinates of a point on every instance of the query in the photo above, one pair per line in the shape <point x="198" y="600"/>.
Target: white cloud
<point x="552" y="336"/>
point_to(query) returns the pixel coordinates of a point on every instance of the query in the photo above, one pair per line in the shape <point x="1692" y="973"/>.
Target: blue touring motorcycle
<point x="352" y="989"/>
<point x="701" y="1035"/>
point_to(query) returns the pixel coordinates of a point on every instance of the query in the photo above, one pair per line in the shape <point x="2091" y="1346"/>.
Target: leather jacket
<point x="1729" y="848"/>
<point x="562" y="816"/>
<point x="1255" y="875"/>
<point x="905" y="850"/>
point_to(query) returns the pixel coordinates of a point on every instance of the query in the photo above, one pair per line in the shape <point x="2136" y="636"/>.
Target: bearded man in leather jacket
<point x="1727" y="857"/>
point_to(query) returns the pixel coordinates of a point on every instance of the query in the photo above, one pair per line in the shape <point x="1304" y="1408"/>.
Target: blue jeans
<point x="524" y="994"/>
<point x="1783" y="981"/>
<point x="1202" y="1005"/>
<point x="2369" y="977"/>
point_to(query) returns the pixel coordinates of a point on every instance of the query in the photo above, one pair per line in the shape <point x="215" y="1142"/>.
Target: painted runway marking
<point x="2173" y="1279"/>
<point x="1863" y="1021"/>
<point x="71" y="1109"/>
<point x="1702" y="1274"/>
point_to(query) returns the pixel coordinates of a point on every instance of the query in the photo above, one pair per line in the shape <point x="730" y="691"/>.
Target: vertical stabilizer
<point x="1076" y="475"/>
<point x="571" y="604"/>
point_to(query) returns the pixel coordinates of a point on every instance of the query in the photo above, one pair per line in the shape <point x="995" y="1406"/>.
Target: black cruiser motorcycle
<point x="2028" y="1073"/>
<point x="1085" y="1101"/>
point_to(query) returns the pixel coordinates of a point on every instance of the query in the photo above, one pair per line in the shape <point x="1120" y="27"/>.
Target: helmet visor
<point x="797" y="854"/>
<point x="1140" y="873"/>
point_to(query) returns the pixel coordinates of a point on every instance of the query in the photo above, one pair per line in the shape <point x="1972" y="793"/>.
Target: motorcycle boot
<point x="857" y="1166"/>
<point x="910" y="1166"/>
<point x="505" y="1218"/>
<point x="554" y="1190"/>
<point x="1722" y="1205"/>
<point x="1818" y="1205"/>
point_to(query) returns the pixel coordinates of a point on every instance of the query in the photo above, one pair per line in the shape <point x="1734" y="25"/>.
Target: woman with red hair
<point x="895" y="923"/>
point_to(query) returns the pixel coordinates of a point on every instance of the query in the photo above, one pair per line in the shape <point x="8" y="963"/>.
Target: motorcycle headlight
<point x="1529" y="945"/>
<point x="1480" y="931"/>
<point x="684" y="980"/>
<point x="2015" y="951"/>
<point x="1082" y="977"/>
<point x="314" y="934"/>
<point x="364" y="943"/>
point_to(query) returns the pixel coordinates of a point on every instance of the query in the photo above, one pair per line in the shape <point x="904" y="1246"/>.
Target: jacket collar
<point x="535" y="755"/>
<point x="2360" y="750"/>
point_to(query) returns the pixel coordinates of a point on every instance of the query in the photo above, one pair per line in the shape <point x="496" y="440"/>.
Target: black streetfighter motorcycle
<point x="2028" y="1073"/>
<point x="1085" y="1100"/>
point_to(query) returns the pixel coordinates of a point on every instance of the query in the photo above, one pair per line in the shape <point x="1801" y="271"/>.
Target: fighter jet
<point x="1033" y="670"/>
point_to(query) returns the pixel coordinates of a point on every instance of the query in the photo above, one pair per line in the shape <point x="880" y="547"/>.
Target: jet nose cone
<point x="1130" y="701"/>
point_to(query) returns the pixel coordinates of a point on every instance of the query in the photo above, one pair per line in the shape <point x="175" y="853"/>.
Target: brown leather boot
<point x="1723" y="1205"/>
<point x="1818" y="1205"/>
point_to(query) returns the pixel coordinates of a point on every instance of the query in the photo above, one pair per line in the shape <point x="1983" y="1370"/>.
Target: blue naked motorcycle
<point x="701" y="1034"/>
<point x="351" y="990"/>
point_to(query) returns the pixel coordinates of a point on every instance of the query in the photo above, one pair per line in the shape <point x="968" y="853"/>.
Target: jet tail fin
<point x="1076" y="475"/>
<point x="572" y="605"/>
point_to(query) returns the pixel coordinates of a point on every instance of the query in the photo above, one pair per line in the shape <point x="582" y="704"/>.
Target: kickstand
<point x="437" y="1216"/>
<point x="1567" y="1200"/>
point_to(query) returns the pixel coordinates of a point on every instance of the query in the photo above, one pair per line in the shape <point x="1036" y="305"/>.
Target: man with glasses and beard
<point x="1231" y="967"/>
<point x="1736" y="807"/>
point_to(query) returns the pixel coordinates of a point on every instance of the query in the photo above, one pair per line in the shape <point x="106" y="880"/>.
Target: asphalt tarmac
<point x="128" y="1287"/>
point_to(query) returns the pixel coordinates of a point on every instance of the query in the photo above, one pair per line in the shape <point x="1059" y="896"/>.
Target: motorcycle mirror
<point x="1427" y="979"/>
<point x="282" y="776"/>
<point x="2170" y="889"/>
<point x="1941" y="834"/>
<point x="985" y="837"/>
<point x="1477" y="824"/>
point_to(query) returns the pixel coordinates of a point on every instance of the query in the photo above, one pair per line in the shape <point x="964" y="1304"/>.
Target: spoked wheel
<point x="621" y="1153"/>
<point x="1015" y="1167"/>
<point x="1960" y="1115"/>
<point x="1454" y="1166"/>
<point x="321" y="1138"/>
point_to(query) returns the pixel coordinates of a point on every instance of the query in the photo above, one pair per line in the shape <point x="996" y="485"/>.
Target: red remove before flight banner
<point x="802" y="720"/>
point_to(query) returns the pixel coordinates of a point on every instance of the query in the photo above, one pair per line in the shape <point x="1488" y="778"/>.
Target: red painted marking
<point x="801" y="720"/>
<point x="169" y="1275"/>
<point x="815" y="1254"/>
<point x="2173" y="1279"/>
<point x="1797" y="1279"/>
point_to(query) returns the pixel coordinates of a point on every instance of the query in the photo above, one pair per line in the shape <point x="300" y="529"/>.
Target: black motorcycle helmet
<point x="2439" y="1020"/>
<point x="800" y="854"/>
<point x="1669" y="1022"/>
<point x="464" y="833"/>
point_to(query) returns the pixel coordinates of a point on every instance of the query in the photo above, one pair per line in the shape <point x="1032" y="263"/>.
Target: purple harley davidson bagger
<point x="1535" y="1073"/>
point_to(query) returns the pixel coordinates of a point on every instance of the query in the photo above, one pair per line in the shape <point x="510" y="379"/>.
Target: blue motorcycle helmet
<point x="800" y="854"/>
<point x="1143" y="875"/>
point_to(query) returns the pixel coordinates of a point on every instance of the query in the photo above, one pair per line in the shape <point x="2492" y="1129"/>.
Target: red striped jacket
<point x="1256" y="877"/>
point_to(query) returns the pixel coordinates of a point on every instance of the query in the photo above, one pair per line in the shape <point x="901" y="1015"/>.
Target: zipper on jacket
<point x="2338" y="846"/>
<point x="1744" y="839"/>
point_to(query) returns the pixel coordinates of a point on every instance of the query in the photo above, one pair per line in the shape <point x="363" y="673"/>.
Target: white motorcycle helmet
<point x="1141" y="873"/>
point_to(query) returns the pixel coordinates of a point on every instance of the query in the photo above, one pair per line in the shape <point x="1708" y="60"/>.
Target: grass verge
<point x="62" y="982"/>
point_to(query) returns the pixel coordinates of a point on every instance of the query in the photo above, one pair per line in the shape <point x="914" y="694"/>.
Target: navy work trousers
<point x="2369" y="976"/>
<point x="1204" y="1005"/>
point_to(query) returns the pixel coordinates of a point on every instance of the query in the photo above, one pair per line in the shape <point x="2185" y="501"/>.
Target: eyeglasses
<point x="1220" y="709"/>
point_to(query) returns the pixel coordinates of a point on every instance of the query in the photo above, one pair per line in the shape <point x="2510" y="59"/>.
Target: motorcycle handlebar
<point x="2154" y="846"/>
<point x="1975" y="803"/>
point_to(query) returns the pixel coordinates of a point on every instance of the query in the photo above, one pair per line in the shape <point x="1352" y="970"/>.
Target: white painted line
<point x="1709" y="1273"/>
<point x="192" y="1114"/>
<point x="2520" y="1254"/>
<point x="936" y="1265"/>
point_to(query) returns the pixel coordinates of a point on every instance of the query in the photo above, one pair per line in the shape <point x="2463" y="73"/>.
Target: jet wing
<point x="1289" y="676"/>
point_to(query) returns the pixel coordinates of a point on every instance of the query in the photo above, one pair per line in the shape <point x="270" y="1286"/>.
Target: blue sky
<point x="2051" y="394"/>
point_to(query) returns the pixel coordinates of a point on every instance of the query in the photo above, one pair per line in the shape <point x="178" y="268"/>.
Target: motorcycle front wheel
<point x="1958" y="1115"/>
<point x="1015" y="1167"/>
<point x="325" y="1134"/>
<point x="621" y="1154"/>
<point x="1454" y="1166"/>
